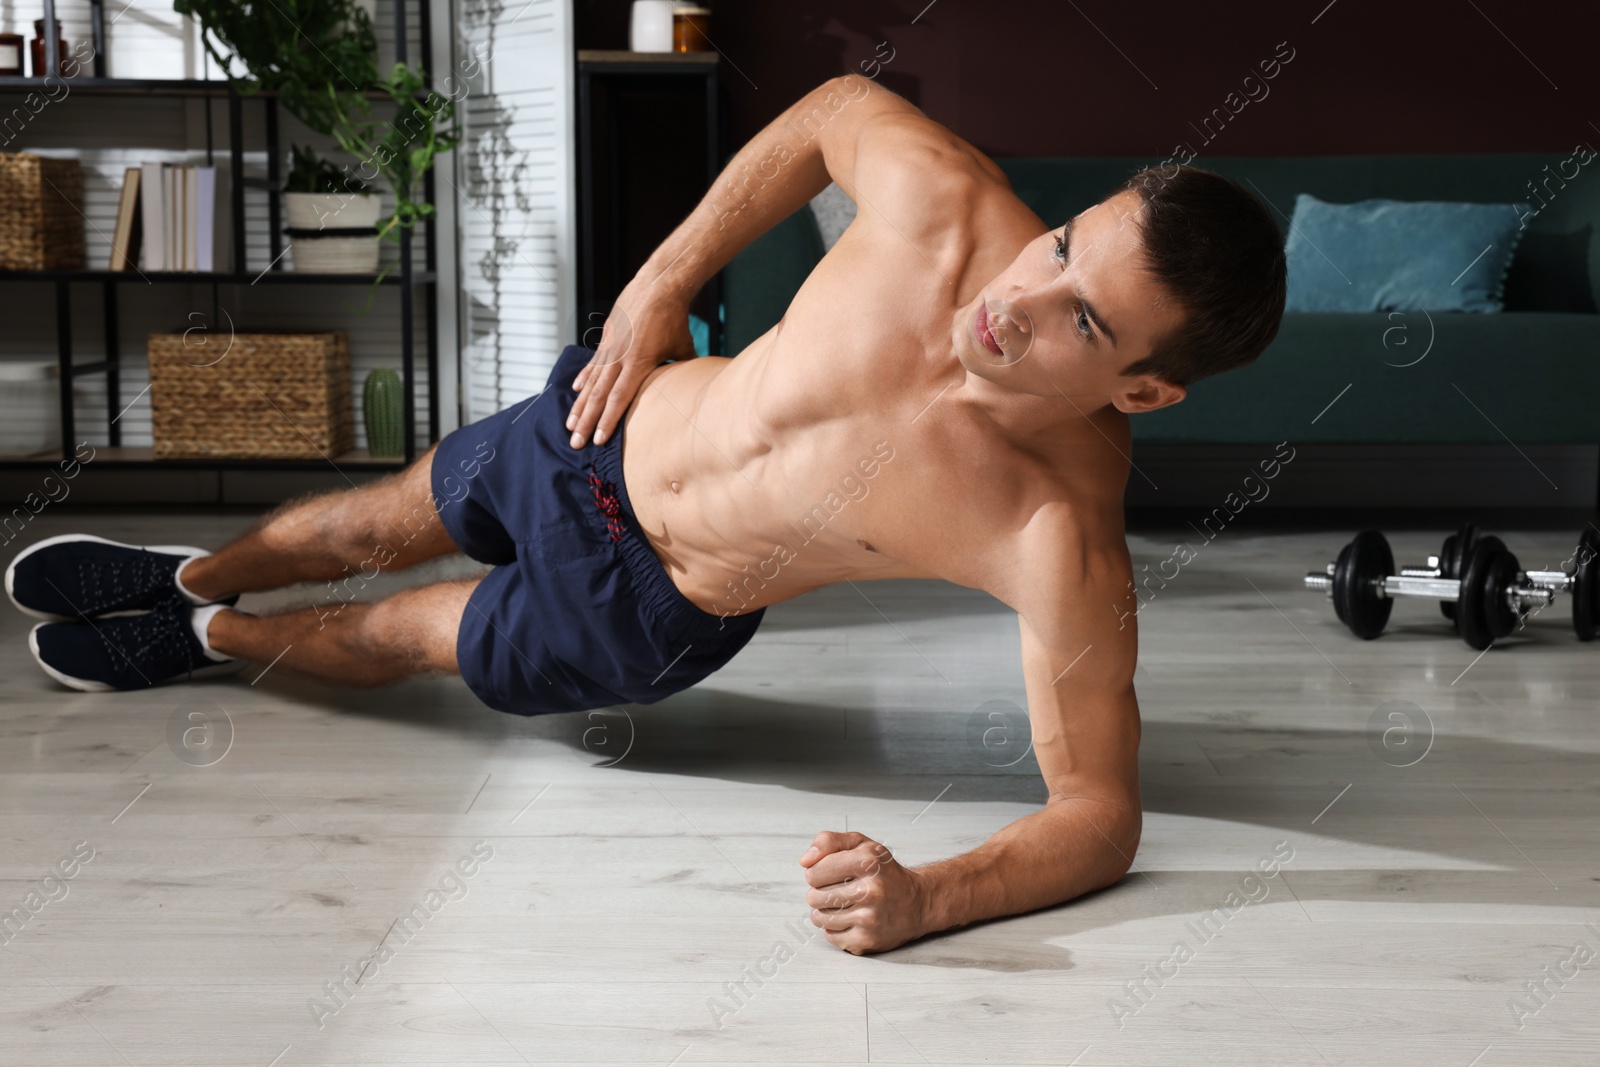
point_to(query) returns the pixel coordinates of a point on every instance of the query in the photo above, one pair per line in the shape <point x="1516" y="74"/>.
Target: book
<point x="153" y="203"/>
<point x="175" y="216"/>
<point x="222" y="214"/>
<point x="169" y="214"/>
<point x="206" y="220"/>
<point x="191" y="218"/>
<point x="125" y="238"/>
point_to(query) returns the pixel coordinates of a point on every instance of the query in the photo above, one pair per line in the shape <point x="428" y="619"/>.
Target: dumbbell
<point x="1447" y="564"/>
<point x="1583" y="583"/>
<point x="1491" y="593"/>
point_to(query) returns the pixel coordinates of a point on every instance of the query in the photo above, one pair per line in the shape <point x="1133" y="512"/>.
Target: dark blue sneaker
<point x="78" y="576"/>
<point x="127" y="651"/>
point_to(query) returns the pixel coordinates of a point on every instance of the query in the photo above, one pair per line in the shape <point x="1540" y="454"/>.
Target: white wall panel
<point x="516" y="198"/>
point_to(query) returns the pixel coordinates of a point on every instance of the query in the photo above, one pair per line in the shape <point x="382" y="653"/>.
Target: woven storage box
<point x="268" y="396"/>
<point x="41" y="217"/>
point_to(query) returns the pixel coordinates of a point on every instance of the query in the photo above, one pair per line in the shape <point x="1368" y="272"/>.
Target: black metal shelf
<point x="273" y="277"/>
<point x="215" y="88"/>
<point x="91" y="86"/>
<point x="404" y="277"/>
<point x="107" y="457"/>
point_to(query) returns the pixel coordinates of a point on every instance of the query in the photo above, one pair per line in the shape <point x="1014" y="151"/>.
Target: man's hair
<point x="1214" y="247"/>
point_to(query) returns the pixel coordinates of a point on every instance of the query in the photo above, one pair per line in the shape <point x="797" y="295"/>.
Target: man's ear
<point x="1147" y="392"/>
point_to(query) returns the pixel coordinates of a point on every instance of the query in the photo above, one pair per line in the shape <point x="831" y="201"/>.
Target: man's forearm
<point x="1068" y="848"/>
<point x="770" y="178"/>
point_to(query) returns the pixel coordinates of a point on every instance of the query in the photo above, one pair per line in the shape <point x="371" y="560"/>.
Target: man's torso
<point x="842" y="444"/>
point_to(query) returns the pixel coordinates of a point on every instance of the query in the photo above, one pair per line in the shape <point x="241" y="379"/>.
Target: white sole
<point x="189" y="551"/>
<point x="81" y="684"/>
<point x="86" y="685"/>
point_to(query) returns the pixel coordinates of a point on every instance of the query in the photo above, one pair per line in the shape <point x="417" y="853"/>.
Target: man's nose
<point x="1010" y="313"/>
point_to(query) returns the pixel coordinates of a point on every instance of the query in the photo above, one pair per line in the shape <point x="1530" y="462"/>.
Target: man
<point x="947" y="397"/>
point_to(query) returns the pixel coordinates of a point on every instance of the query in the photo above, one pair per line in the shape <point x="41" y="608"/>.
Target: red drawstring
<point x="605" y="498"/>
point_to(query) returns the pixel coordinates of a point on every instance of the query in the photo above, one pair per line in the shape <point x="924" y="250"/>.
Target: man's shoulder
<point x="1069" y="542"/>
<point x="914" y="174"/>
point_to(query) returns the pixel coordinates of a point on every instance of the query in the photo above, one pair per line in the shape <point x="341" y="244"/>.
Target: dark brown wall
<point x="1106" y="77"/>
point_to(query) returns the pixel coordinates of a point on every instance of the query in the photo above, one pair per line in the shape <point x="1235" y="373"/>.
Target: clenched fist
<point x="863" y="899"/>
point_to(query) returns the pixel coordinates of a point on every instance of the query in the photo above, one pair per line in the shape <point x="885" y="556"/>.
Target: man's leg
<point x="322" y="537"/>
<point x="412" y="632"/>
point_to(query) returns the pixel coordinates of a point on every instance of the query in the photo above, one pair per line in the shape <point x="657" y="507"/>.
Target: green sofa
<point x="1530" y="374"/>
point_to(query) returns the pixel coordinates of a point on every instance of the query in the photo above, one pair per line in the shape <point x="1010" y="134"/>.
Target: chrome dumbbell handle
<point x="1324" y="580"/>
<point x="1525" y="596"/>
<point x="1532" y="589"/>
<point x="1556" y="581"/>
<point x="1321" y="580"/>
<point x="1431" y="586"/>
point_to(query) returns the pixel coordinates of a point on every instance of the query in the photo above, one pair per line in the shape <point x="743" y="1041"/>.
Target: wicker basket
<point x="262" y="396"/>
<point x="41" y="216"/>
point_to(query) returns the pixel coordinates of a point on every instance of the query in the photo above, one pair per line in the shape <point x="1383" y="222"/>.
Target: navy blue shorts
<point x="578" y="612"/>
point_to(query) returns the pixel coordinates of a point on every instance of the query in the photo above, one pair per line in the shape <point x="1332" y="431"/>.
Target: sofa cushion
<point x="1397" y="255"/>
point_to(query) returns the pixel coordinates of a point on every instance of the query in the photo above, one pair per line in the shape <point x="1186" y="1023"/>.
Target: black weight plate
<point x="1446" y="566"/>
<point x="1357" y="581"/>
<point x="1483" y="615"/>
<point x="1502" y="575"/>
<point x="1457" y="547"/>
<point x="1586" y="586"/>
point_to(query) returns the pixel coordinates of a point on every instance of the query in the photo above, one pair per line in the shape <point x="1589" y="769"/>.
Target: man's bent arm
<point x="1078" y="654"/>
<point x="1070" y="847"/>
<point x="774" y="175"/>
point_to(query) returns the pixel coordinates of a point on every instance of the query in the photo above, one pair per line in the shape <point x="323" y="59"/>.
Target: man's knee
<point x="416" y="628"/>
<point x="391" y="519"/>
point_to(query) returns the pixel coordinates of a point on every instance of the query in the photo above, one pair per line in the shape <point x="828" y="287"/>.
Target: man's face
<point x="1075" y="308"/>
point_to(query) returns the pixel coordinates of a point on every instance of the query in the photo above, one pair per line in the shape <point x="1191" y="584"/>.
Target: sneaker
<point x="77" y="576"/>
<point x="127" y="651"/>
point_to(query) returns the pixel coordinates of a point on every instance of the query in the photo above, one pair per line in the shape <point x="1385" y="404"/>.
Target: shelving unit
<point x="410" y="282"/>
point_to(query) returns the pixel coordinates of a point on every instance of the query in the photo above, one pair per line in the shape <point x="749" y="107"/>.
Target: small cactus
<point x="383" y="409"/>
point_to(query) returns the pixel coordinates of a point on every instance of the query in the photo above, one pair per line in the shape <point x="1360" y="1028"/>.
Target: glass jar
<point x="38" y="49"/>
<point x="690" y="28"/>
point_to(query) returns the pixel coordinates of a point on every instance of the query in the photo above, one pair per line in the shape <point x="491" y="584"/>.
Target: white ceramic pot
<point x="30" y="413"/>
<point x="332" y="253"/>
<point x="650" y="29"/>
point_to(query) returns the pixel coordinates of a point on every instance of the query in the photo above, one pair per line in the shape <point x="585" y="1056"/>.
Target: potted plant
<point x="323" y="65"/>
<point x="332" y="217"/>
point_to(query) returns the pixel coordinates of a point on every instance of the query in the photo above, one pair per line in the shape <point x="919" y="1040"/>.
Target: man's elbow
<point x="1114" y="839"/>
<point x="1124" y="834"/>
<point x="850" y="101"/>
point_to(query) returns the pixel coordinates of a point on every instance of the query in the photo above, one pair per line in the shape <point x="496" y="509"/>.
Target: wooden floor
<point x="642" y="860"/>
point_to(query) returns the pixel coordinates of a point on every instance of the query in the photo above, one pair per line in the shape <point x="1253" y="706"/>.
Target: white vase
<point x="328" y="253"/>
<point x="650" y="28"/>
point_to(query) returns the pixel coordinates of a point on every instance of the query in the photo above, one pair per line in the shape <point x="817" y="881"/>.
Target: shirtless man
<point x="947" y="397"/>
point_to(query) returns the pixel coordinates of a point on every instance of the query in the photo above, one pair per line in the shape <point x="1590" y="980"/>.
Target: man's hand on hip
<point x="643" y="331"/>
<point x="862" y="897"/>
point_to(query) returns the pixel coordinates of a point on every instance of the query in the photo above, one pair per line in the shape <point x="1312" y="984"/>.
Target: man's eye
<point x="1061" y="250"/>
<point x="1083" y="323"/>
